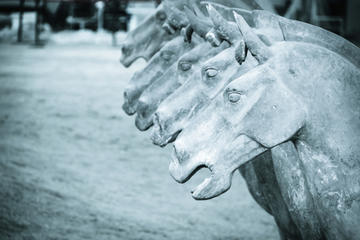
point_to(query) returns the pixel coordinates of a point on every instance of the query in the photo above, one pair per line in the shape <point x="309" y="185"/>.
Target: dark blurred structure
<point x="115" y="16"/>
<point x="341" y="17"/>
<point x="66" y="14"/>
<point x="353" y="20"/>
<point x="329" y="14"/>
<point x="82" y="14"/>
<point x="5" y="21"/>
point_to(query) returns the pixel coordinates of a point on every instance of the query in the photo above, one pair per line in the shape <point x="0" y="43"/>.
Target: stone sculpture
<point x="291" y="105"/>
<point x="172" y="79"/>
<point x="279" y="101"/>
<point x="163" y="59"/>
<point x="154" y="70"/>
<point x="146" y="39"/>
<point x="181" y="106"/>
<point x="162" y="26"/>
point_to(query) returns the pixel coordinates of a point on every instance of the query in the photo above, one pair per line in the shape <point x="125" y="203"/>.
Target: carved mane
<point x="293" y="30"/>
<point x="303" y="32"/>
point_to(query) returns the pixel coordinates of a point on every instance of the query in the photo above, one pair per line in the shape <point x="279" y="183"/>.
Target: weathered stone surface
<point x="154" y="70"/>
<point x="178" y="74"/>
<point x="281" y="104"/>
<point x="162" y="26"/>
<point x="146" y="39"/>
<point x="180" y="107"/>
<point x="293" y="96"/>
<point x="294" y="189"/>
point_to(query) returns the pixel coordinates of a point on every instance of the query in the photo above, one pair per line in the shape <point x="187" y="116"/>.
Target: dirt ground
<point x="73" y="165"/>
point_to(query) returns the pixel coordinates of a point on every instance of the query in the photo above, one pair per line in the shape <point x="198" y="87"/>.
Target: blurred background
<point x="72" y="164"/>
<point x="23" y="19"/>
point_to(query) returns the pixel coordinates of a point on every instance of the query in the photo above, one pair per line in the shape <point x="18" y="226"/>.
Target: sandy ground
<point x="73" y="165"/>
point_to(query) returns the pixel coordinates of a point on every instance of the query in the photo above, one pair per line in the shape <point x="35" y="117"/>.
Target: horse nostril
<point x="126" y="49"/>
<point x="125" y="95"/>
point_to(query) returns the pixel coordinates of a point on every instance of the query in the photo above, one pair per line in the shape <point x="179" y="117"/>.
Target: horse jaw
<point x="222" y="166"/>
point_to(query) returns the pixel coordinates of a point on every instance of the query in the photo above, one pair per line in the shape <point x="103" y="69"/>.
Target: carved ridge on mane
<point x="300" y="31"/>
<point x="293" y="30"/>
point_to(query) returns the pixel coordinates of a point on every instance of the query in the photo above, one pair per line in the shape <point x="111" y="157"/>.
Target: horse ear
<point x="226" y="30"/>
<point x="227" y="11"/>
<point x="240" y="51"/>
<point x="213" y="38"/>
<point x="201" y="26"/>
<point x="198" y="12"/>
<point x="187" y="32"/>
<point x="257" y="48"/>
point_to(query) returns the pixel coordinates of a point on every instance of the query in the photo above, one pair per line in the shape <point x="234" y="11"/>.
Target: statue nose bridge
<point x="141" y="106"/>
<point x="131" y="92"/>
<point x="166" y="116"/>
<point x="144" y="106"/>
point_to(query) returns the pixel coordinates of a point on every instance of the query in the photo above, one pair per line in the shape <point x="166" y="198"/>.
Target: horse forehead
<point x="261" y="74"/>
<point x="191" y="56"/>
<point x="199" y="52"/>
<point x="175" y="43"/>
<point x="187" y="58"/>
<point x="221" y="58"/>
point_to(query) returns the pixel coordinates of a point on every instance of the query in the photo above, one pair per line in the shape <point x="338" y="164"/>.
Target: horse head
<point x="146" y="39"/>
<point x="173" y="78"/>
<point x="178" y="109"/>
<point x="158" y="64"/>
<point x="292" y="95"/>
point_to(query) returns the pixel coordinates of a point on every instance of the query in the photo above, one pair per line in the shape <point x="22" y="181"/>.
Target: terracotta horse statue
<point x="149" y="78"/>
<point x="178" y="109"/>
<point x="155" y="68"/>
<point x="161" y="50"/>
<point x="164" y="25"/>
<point x="295" y="116"/>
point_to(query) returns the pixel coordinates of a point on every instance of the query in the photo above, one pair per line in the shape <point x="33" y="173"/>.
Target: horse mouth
<point x="183" y="167"/>
<point x="126" y="61"/>
<point x="143" y="124"/>
<point x="221" y="164"/>
<point x="179" y="172"/>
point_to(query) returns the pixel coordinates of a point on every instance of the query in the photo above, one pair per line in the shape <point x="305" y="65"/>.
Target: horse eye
<point x="166" y="55"/>
<point x="211" y="72"/>
<point x="185" y="66"/>
<point x="161" y="16"/>
<point x="234" y="97"/>
<point x="174" y="21"/>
